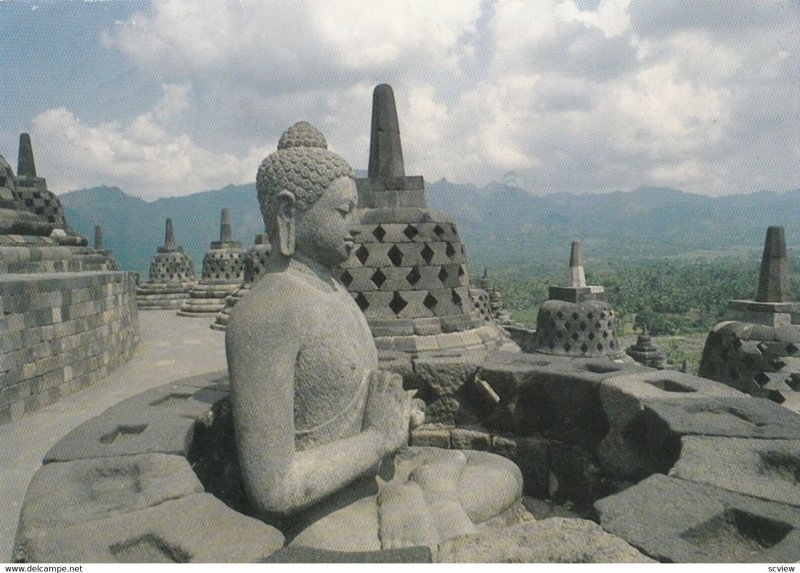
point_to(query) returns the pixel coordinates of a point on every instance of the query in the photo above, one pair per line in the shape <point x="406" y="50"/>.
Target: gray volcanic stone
<point x="718" y="416"/>
<point x="213" y="380"/>
<point x="445" y="386"/>
<point x="174" y="400"/>
<point x="300" y="554"/>
<point x="624" y="451"/>
<point x="773" y="281"/>
<point x="194" y="529"/>
<point x="554" y="540"/>
<point x="679" y="521"/>
<point x="386" y="152"/>
<point x="118" y="434"/>
<point x="68" y="493"/>
<point x="26" y="165"/>
<point x="767" y="469"/>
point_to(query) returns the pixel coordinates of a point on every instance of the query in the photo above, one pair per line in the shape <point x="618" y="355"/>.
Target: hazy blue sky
<point x="170" y="98"/>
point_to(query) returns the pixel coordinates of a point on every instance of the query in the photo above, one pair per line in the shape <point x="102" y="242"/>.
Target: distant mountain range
<point x="500" y="225"/>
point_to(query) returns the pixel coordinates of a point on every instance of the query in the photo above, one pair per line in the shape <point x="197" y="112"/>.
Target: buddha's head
<point x="308" y="197"/>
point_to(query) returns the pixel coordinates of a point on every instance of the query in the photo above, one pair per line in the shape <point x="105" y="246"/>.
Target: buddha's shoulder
<point x="282" y="294"/>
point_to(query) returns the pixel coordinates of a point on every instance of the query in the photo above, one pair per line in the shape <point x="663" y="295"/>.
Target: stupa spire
<point x="26" y="166"/>
<point x="385" y="150"/>
<point x="773" y="282"/>
<point x="169" y="236"/>
<point x="577" y="274"/>
<point x="225" y="227"/>
<point x="98" y="238"/>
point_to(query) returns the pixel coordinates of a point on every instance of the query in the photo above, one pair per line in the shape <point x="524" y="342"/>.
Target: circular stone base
<point x="155" y="477"/>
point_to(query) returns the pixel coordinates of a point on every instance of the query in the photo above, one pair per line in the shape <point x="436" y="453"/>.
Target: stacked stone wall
<point x="61" y="332"/>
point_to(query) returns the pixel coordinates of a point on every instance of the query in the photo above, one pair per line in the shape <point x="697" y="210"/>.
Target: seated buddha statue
<point x="321" y="432"/>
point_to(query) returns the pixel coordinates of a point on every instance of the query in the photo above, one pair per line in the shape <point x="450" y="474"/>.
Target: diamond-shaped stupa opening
<point x="378" y="278"/>
<point x="413" y="276"/>
<point x="430" y="301"/>
<point x="395" y="255"/>
<point x="362" y="302"/>
<point x="398" y="303"/>
<point x="362" y="254"/>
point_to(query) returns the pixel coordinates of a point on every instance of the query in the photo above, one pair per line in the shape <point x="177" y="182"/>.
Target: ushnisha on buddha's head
<point x="308" y="197"/>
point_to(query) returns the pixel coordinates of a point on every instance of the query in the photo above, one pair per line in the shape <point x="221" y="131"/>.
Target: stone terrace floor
<point x="171" y="348"/>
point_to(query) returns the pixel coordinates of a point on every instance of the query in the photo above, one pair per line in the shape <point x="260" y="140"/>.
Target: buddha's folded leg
<point x="439" y="480"/>
<point x="404" y="517"/>
<point x="489" y="485"/>
<point x="346" y="521"/>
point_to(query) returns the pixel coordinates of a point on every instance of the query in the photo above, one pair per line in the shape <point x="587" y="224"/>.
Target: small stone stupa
<point x="15" y="217"/>
<point x="408" y="272"/>
<point x="34" y="236"/>
<point x="255" y="261"/>
<point x="223" y="273"/>
<point x="756" y="349"/>
<point x="489" y="301"/>
<point x="102" y="258"/>
<point x="33" y="191"/>
<point x="577" y="321"/>
<point x="646" y="353"/>
<point x="171" y="277"/>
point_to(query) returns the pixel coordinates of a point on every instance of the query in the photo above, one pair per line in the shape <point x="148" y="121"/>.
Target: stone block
<point x="358" y="279"/>
<point x="68" y="493"/>
<point x="174" y="400"/>
<point x="300" y="554"/>
<point x="678" y="521"/>
<point x="533" y="460"/>
<point x="574" y="476"/>
<point x="555" y="540"/>
<point x="465" y="439"/>
<point x="625" y="452"/>
<point x="377" y="304"/>
<point x="450" y="341"/>
<point x="428" y="327"/>
<point x="194" y="529"/>
<point x="561" y="403"/>
<point x="725" y="416"/>
<point x="431" y="436"/>
<point x="120" y="434"/>
<point x="415" y="305"/>
<point x="766" y="469"/>
<point x="505" y="446"/>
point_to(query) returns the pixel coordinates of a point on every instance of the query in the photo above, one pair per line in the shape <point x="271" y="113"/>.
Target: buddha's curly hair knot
<point x="302" y="165"/>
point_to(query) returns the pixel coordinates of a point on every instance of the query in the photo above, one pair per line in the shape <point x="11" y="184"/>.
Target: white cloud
<point x="690" y="93"/>
<point x="142" y="158"/>
<point x="297" y="42"/>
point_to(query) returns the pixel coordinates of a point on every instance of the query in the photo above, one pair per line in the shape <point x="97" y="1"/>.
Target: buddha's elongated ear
<point x="285" y="222"/>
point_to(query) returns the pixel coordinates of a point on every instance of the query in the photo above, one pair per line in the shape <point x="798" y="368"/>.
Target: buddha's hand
<point x="388" y="409"/>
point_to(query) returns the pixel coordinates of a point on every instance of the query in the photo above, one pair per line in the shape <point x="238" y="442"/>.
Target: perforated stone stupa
<point x="223" y="273"/>
<point x="577" y="320"/>
<point x="102" y="258"/>
<point x="646" y="353"/>
<point x="33" y="190"/>
<point x="255" y="261"/>
<point x="756" y="349"/>
<point x="34" y="236"/>
<point x="408" y="273"/>
<point x="170" y="279"/>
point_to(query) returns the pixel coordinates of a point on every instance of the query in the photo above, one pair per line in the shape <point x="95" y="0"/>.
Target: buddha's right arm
<point x="313" y="474"/>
